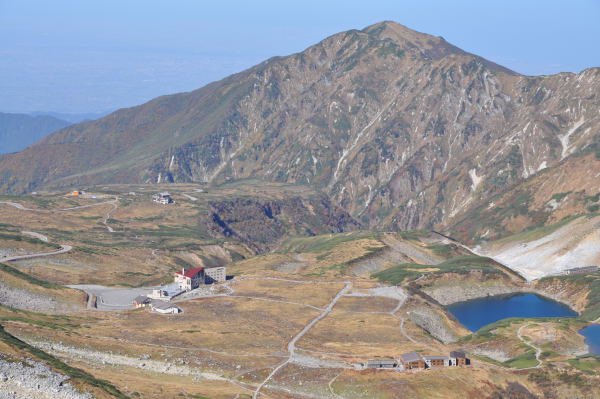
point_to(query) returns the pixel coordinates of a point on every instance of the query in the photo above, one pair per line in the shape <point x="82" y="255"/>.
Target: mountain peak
<point x="433" y="47"/>
<point x="396" y="31"/>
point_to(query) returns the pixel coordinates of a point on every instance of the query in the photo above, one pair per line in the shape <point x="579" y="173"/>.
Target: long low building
<point x="164" y="307"/>
<point x="581" y="270"/>
<point x="382" y="364"/>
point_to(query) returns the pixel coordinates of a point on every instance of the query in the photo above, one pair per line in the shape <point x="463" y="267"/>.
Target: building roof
<point x="457" y="354"/>
<point x="141" y="299"/>
<point x="435" y="357"/>
<point x="162" y="305"/>
<point x="411" y="357"/>
<point x="190" y="272"/>
<point x="383" y="361"/>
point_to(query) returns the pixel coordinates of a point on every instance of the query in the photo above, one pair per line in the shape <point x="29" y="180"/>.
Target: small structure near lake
<point x="412" y="360"/>
<point x="416" y="361"/>
<point x="459" y="358"/>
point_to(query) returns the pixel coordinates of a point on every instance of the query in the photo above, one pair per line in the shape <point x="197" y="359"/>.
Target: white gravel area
<point x="34" y="380"/>
<point x="573" y="245"/>
<point x="22" y="299"/>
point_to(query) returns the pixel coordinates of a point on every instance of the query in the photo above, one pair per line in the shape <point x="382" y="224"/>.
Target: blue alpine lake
<point x="476" y="313"/>
<point x="592" y="337"/>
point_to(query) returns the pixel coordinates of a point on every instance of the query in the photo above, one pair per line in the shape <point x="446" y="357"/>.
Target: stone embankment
<point x="22" y="299"/>
<point x="34" y="380"/>
<point x="433" y="323"/>
<point x="104" y="358"/>
<point x="449" y="294"/>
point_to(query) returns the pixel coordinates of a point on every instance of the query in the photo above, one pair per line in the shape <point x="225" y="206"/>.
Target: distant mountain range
<point x="400" y="128"/>
<point x="73" y="118"/>
<point x="17" y="131"/>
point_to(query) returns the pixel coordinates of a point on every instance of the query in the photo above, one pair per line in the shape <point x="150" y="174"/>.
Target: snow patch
<point x="573" y="245"/>
<point x="564" y="139"/>
<point x="543" y="165"/>
<point x="475" y="179"/>
<point x="552" y="204"/>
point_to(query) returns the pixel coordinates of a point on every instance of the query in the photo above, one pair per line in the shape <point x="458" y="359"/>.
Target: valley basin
<point x="476" y="313"/>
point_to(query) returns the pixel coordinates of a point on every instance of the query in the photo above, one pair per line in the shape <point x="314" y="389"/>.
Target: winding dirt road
<point x="114" y="202"/>
<point x="63" y="248"/>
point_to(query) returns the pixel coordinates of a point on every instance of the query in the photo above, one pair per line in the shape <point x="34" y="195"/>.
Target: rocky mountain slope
<point x="17" y="131"/>
<point x="400" y="128"/>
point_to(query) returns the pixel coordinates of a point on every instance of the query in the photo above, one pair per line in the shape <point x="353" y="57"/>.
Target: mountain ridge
<point x="17" y="131"/>
<point x="402" y="129"/>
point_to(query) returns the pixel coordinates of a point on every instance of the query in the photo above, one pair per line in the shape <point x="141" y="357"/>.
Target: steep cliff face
<point x="402" y="129"/>
<point x="261" y="224"/>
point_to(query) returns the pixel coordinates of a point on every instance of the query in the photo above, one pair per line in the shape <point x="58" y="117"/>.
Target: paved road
<point x="189" y="197"/>
<point x="35" y="235"/>
<point x="23" y="208"/>
<point x="63" y="248"/>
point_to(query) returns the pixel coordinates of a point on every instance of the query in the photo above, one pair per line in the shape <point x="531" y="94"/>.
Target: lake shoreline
<point x="591" y="333"/>
<point x="477" y="313"/>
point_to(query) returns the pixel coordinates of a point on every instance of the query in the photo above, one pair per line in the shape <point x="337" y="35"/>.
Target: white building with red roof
<point x="190" y="279"/>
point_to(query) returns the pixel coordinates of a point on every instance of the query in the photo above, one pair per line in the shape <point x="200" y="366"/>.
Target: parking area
<point x="109" y="298"/>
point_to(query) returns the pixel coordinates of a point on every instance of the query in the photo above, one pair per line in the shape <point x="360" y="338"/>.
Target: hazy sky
<point x="90" y="56"/>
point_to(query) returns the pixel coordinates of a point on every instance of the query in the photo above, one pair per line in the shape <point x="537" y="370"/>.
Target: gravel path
<point x="21" y="207"/>
<point x="302" y="359"/>
<point x="189" y="197"/>
<point x="538" y="351"/>
<point x="35" y="235"/>
<point x="107" y="216"/>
